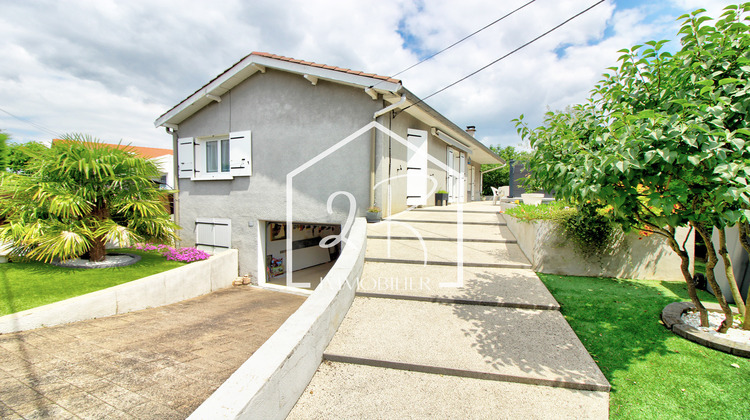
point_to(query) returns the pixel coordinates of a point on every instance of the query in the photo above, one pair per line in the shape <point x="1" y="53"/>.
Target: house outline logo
<point x="350" y="218"/>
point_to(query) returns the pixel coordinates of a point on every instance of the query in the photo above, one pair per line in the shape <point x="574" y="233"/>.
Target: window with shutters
<point x="215" y="157"/>
<point x="213" y="235"/>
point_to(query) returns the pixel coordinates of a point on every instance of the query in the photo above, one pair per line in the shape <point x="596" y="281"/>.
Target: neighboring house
<point x="268" y="119"/>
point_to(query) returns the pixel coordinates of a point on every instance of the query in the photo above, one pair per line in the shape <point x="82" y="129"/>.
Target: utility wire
<point x="460" y="40"/>
<point x="38" y="126"/>
<point x="506" y="55"/>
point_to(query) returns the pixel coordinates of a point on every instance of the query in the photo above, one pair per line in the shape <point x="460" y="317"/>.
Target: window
<point x="215" y="157"/>
<point x="213" y="235"/>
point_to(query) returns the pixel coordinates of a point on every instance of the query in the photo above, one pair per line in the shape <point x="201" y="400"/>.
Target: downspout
<point x="175" y="178"/>
<point x="375" y="116"/>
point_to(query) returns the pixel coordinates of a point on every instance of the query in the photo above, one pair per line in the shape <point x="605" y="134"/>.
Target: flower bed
<point x="185" y="254"/>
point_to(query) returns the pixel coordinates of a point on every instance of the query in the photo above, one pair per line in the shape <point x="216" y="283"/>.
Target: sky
<point x="110" y="68"/>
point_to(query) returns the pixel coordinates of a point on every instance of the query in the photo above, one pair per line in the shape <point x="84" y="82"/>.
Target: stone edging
<point x="79" y="263"/>
<point x="269" y="383"/>
<point x="672" y="318"/>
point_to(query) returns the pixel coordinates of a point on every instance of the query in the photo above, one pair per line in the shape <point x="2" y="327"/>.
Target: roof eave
<point x="252" y="64"/>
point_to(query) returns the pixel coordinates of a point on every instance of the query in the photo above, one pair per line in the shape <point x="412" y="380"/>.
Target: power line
<point x="39" y="126"/>
<point x="460" y="40"/>
<point x="506" y="55"/>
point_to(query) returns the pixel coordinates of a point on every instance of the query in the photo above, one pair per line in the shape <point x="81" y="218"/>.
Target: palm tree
<point x="80" y="195"/>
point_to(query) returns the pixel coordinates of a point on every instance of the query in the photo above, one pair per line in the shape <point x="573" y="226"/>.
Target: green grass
<point x="554" y="210"/>
<point x="25" y="285"/>
<point x="654" y="373"/>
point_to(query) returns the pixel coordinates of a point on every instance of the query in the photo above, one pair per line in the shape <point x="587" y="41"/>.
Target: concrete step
<point x="513" y="288"/>
<point x="505" y="344"/>
<point x="473" y="254"/>
<point x="485" y="218"/>
<point x="440" y="231"/>
<point x="348" y="391"/>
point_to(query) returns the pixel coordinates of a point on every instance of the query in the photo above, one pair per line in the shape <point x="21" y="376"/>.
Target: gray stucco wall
<point x="291" y="121"/>
<point x="398" y="152"/>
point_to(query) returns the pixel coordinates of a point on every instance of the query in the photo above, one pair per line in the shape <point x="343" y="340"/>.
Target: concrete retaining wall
<point x="269" y="383"/>
<point x="194" y="279"/>
<point x="636" y="257"/>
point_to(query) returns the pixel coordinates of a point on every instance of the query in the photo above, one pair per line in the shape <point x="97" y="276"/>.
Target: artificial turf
<point x="654" y="373"/>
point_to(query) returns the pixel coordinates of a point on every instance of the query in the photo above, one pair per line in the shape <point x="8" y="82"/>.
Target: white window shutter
<point x="240" y="153"/>
<point x="186" y="157"/>
<point x="222" y="233"/>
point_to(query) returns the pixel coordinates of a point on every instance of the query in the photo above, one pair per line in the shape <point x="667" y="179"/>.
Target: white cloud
<point x="111" y="68"/>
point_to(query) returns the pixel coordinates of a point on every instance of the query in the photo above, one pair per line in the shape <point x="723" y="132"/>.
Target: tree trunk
<point x="729" y="272"/>
<point x="685" y="268"/>
<point x="745" y="241"/>
<point x="710" y="264"/>
<point x="98" y="250"/>
<point x="98" y="245"/>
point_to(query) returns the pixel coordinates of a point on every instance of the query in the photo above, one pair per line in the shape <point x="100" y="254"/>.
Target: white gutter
<point x="389" y="108"/>
<point x="451" y="141"/>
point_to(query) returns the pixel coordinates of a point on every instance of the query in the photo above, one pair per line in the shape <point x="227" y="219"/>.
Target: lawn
<point x="654" y="373"/>
<point x="25" y="285"/>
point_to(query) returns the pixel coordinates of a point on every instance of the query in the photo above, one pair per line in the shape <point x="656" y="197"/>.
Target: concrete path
<point x="159" y="363"/>
<point x="496" y="347"/>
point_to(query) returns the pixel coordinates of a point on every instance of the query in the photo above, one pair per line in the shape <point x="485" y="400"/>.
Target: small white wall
<point x="636" y="257"/>
<point x="189" y="281"/>
<point x="269" y="383"/>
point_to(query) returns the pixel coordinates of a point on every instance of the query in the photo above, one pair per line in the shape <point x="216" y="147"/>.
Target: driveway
<point x="159" y="363"/>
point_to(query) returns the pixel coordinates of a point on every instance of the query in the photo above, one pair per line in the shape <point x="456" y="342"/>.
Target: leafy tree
<point x="3" y="151"/>
<point x="20" y="154"/>
<point x="664" y="139"/>
<point x="78" y="197"/>
<point x="500" y="177"/>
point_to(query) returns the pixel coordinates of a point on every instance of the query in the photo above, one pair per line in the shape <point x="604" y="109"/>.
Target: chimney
<point x="471" y="130"/>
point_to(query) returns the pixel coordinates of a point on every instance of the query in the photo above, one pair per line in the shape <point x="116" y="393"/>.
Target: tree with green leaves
<point x="3" y="151"/>
<point x="501" y="176"/>
<point x="83" y="194"/>
<point x="664" y="139"/>
<point x="20" y="154"/>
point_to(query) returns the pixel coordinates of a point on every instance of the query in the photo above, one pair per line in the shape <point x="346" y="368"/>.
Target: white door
<point x="416" y="168"/>
<point x="450" y="176"/>
<point x="462" y="178"/>
<point x="471" y="183"/>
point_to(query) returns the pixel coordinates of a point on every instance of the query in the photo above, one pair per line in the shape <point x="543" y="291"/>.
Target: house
<point x="273" y="139"/>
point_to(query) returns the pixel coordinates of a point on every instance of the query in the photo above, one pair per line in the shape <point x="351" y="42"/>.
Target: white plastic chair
<point x="495" y="195"/>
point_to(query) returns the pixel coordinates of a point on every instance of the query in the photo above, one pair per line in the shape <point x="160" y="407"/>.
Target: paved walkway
<point x="496" y="347"/>
<point x="159" y="363"/>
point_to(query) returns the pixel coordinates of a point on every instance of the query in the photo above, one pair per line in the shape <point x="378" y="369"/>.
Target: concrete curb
<point x="429" y="238"/>
<point x="448" y="222"/>
<point x="192" y="280"/>
<point x="269" y="383"/>
<point x="449" y="263"/>
<point x="672" y="318"/>
<point x="461" y="301"/>
<point x="465" y="373"/>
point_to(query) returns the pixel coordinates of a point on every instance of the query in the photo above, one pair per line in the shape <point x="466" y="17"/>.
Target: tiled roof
<point x="290" y="60"/>
<point x="146" y="152"/>
<point x="325" y="66"/>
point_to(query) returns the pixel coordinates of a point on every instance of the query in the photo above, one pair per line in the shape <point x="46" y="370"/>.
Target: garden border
<point x="171" y="286"/>
<point x="672" y="318"/>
